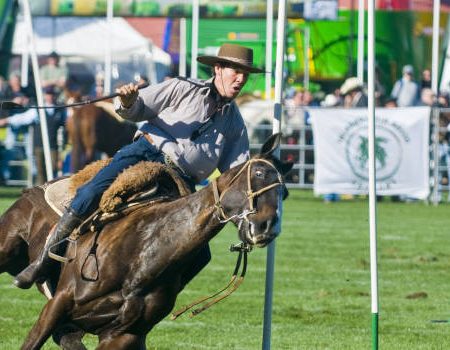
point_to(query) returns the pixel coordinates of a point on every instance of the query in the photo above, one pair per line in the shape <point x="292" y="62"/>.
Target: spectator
<point x="14" y="87"/>
<point x="353" y="92"/>
<point x="427" y="97"/>
<point x="16" y="131"/>
<point x="55" y="119"/>
<point x="425" y="82"/>
<point x="390" y="103"/>
<point x="53" y="74"/>
<point x="406" y="90"/>
<point x="294" y="112"/>
<point x="3" y="87"/>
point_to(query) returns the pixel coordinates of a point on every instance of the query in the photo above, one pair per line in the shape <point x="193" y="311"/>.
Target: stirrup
<point x="60" y="258"/>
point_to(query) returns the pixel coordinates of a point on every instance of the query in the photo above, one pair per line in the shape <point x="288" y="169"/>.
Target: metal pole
<point x="38" y="86"/>
<point x="434" y="87"/>
<point x="360" y="68"/>
<point x="194" y="47"/>
<point x="182" y="54"/>
<point x="306" y="40"/>
<point x="372" y="170"/>
<point x="269" y="46"/>
<point x="435" y="47"/>
<point x="108" y="50"/>
<point x="270" y="263"/>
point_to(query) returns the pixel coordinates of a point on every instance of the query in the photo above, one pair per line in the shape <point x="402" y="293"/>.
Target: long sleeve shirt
<point x="189" y="122"/>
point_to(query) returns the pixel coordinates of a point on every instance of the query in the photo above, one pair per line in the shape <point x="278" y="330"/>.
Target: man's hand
<point x="3" y="122"/>
<point x="128" y="94"/>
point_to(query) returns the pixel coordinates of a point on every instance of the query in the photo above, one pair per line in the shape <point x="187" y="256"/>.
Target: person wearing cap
<point x="353" y="92"/>
<point x="192" y="125"/>
<point x="406" y="91"/>
<point x="53" y="74"/>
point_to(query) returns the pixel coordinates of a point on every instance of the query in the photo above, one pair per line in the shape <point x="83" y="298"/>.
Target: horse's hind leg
<point x="51" y="315"/>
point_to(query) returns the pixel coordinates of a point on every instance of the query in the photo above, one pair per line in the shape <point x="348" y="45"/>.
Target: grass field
<point x="322" y="284"/>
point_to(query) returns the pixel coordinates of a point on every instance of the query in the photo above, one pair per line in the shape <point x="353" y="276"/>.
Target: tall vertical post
<point x="269" y="45"/>
<point x="108" y="49"/>
<point x="182" y="54"/>
<point x="306" y="43"/>
<point x="434" y="87"/>
<point x="38" y="87"/>
<point x="270" y="263"/>
<point x="372" y="171"/>
<point x="194" y="47"/>
<point x="360" y="60"/>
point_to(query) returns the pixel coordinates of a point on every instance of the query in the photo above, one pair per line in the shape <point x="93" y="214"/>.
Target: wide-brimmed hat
<point x="234" y="54"/>
<point x="350" y="84"/>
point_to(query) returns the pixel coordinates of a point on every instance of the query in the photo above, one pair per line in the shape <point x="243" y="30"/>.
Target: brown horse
<point x="142" y="256"/>
<point x="95" y="128"/>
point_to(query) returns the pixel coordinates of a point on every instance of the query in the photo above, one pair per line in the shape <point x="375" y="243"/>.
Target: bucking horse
<point x="140" y="256"/>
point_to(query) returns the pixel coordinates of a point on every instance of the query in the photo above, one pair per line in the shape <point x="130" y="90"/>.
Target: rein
<point x="242" y="248"/>
<point x="234" y="283"/>
<point x="223" y="218"/>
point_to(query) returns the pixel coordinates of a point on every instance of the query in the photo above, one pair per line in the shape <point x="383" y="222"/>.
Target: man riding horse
<point x="191" y="125"/>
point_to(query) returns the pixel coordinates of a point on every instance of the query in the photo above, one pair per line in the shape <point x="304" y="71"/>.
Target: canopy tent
<point x="86" y="39"/>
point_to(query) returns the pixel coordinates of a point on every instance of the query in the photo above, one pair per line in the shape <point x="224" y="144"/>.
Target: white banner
<point x="401" y="151"/>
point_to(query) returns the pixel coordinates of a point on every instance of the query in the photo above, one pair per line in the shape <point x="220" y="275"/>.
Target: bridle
<point x="222" y="216"/>
<point x="242" y="248"/>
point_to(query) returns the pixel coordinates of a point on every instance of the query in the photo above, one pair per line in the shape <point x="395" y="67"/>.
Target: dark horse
<point x="95" y="128"/>
<point x="142" y="256"/>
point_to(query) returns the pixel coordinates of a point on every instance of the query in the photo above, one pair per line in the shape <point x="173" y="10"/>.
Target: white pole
<point x="38" y="87"/>
<point x="269" y="48"/>
<point x="434" y="87"/>
<point x="270" y="263"/>
<point x="435" y="47"/>
<point x="108" y="49"/>
<point x="24" y="66"/>
<point x="372" y="170"/>
<point x="306" y="42"/>
<point x="360" y="62"/>
<point x="194" y="47"/>
<point x="182" y="57"/>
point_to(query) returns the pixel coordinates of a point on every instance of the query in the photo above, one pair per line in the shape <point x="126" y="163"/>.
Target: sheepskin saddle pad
<point x="143" y="181"/>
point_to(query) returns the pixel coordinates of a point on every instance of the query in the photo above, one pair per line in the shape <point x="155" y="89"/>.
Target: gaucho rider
<point x="192" y="125"/>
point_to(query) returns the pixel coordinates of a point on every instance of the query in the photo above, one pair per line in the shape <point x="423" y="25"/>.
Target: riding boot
<point x="38" y="271"/>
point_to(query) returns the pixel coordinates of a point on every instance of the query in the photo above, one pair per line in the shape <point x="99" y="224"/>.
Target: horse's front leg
<point x="69" y="337"/>
<point x="51" y="315"/>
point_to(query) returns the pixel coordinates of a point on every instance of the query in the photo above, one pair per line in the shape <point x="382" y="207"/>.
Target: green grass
<point x="321" y="289"/>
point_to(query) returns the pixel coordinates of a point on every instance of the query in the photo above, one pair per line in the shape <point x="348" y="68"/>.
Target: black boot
<point x="38" y="271"/>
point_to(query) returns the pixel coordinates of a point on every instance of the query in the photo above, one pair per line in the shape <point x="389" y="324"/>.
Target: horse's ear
<point x="271" y="144"/>
<point x="286" y="167"/>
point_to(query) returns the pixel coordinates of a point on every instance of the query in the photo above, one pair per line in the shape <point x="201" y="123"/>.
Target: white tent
<point x="87" y="38"/>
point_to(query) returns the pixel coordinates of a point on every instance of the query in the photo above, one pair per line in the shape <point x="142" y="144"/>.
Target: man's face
<point x="229" y="80"/>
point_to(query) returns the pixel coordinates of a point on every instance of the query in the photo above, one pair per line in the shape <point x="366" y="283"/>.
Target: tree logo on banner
<point x="388" y="149"/>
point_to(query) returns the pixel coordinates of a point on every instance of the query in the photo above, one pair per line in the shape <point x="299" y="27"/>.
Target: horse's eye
<point x="259" y="173"/>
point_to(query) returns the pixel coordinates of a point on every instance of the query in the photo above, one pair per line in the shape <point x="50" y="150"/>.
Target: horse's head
<point x="250" y="199"/>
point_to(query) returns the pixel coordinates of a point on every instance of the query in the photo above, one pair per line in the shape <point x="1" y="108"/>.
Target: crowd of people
<point x="21" y="124"/>
<point x="54" y="76"/>
<point x="406" y="92"/>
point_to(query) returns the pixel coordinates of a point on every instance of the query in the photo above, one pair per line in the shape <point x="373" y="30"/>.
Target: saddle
<point x="143" y="183"/>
